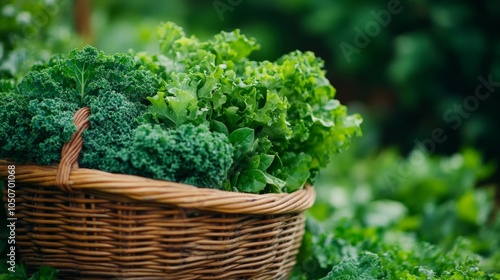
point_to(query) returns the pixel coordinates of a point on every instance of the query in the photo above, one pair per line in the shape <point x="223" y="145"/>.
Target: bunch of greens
<point x="200" y="112"/>
<point x="280" y="116"/>
<point x="38" y="120"/>
<point x="38" y="113"/>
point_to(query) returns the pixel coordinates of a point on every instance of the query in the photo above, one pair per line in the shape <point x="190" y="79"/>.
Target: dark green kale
<point x="38" y="114"/>
<point x="366" y="266"/>
<point x="86" y="73"/>
<point x="189" y="154"/>
<point x="112" y="120"/>
<point x="51" y="126"/>
<point x="15" y="128"/>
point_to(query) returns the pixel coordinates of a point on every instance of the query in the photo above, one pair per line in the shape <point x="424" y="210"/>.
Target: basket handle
<point x="71" y="150"/>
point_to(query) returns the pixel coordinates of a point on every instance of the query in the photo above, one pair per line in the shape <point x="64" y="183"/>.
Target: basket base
<point x="91" y="237"/>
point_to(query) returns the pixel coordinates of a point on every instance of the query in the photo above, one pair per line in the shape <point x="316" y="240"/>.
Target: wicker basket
<point x="91" y="224"/>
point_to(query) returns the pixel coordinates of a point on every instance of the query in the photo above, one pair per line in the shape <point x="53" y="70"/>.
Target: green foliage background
<point x="408" y="79"/>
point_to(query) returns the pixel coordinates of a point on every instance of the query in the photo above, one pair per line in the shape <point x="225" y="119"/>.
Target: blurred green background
<point x="425" y="75"/>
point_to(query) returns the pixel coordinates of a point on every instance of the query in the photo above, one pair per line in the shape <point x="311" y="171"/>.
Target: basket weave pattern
<point x="92" y="224"/>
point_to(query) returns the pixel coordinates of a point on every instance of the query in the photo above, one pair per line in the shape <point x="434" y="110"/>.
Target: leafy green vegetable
<point x="112" y="120"/>
<point x="189" y="154"/>
<point x="85" y="73"/>
<point x="13" y="129"/>
<point x="39" y="112"/>
<point x="34" y="130"/>
<point x="282" y="110"/>
<point x="116" y="89"/>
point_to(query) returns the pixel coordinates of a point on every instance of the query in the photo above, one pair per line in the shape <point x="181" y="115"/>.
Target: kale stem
<point x="82" y="85"/>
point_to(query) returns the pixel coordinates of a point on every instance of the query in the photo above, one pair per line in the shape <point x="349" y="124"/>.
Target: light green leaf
<point x="167" y="34"/>
<point x="265" y="161"/>
<point x="251" y="181"/>
<point x="254" y="162"/>
<point x="182" y="105"/>
<point x="296" y="170"/>
<point x="474" y="206"/>
<point x="242" y="140"/>
<point x="80" y="66"/>
<point x="159" y="110"/>
<point x="276" y="184"/>
<point x="219" y="127"/>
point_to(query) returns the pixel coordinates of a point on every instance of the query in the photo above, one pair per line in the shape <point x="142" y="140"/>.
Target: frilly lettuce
<point x="281" y="116"/>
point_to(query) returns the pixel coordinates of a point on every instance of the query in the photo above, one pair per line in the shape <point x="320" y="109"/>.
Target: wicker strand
<point x="71" y="150"/>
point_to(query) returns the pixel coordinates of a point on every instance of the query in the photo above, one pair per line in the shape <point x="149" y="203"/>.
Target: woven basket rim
<point x="68" y="177"/>
<point x="137" y="188"/>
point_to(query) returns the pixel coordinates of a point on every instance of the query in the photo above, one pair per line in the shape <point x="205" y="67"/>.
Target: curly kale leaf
<point x="34" y="130"/>
<point x="189" y="154"/>
<point x="15" y="129"/>
<point x="38" y="113"/>
<point x="52" y="125"/>
<point x="113" y="118"/>
<point x="84" y="73"/>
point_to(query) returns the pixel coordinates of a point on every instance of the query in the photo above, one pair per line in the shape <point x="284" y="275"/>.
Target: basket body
<point x="86" y="236"/>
